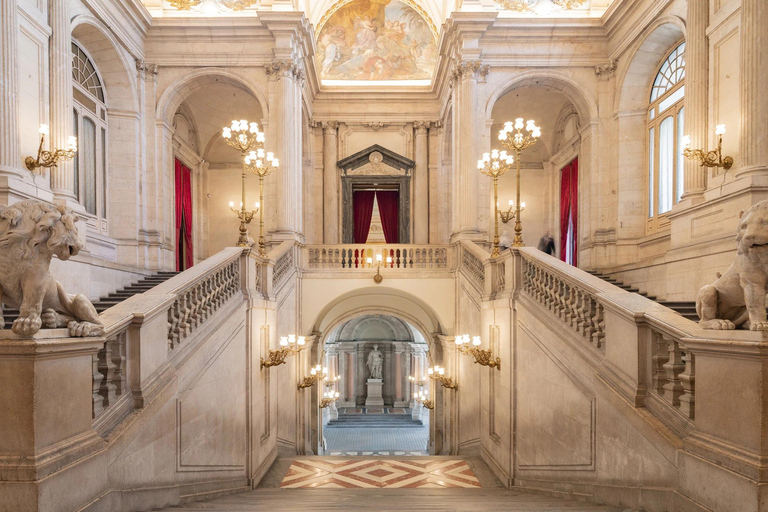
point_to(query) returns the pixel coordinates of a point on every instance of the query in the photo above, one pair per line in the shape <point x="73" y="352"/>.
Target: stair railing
<point x="132" y="366"/>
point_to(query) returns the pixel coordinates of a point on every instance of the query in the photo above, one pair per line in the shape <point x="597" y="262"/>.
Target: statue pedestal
<point x="374" y="398"/>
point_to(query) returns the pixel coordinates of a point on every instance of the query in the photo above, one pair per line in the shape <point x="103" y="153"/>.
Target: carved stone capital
<point x="606" y="71"/>
<point x="330" y="126"/>
<point x="145" y="70"/>
<point x="285" y="69"/>
<point x="468" y="69"/>
<point x="421" y="127"/>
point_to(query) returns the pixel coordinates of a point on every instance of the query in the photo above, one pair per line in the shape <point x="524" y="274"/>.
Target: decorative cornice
<point x="286" y="69"/>
<point x="145" y="70"/>
<point x="470" y="69"/>
<point x="375" y="125"/>
<point x="607" y="71"/>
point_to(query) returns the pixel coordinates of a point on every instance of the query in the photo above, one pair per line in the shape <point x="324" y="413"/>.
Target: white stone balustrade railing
<point x="654" y="367"/>
<point x="472" y="258"/>
<point x="571" y="298"/>
<point x="174" y="311"/>
<point x="403" y="256"/>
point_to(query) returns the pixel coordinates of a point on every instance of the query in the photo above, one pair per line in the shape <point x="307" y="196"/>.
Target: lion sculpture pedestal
<point x="737" y="298"/>
<point x="31" y="232"/>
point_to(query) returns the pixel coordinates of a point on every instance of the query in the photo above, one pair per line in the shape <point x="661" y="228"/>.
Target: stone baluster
<point x="674" y="366"/>
<point x="687" y="380"/>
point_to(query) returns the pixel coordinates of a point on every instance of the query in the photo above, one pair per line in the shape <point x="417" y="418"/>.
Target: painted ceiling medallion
<point x="568" y="4"/>
<point x="185" y="5"/>
<point x="236" y="5"/>
<point x="518" y="5"/>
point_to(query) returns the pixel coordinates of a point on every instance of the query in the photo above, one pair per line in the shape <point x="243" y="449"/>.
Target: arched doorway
<point x="376" y="363"/>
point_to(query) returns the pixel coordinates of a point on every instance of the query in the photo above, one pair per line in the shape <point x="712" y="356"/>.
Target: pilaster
<point x="10" y="155"/>
<point x="753" y="150"/>
<point x="330" y="183"/>
<point x="421" y="184"/>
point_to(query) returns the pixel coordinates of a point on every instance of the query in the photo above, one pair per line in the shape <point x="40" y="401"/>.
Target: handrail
<point x="188" y="300"/>
<point x="351" y="257"/>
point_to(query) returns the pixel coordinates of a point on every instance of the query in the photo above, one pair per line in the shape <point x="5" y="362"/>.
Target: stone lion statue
<point x="31" y="232"/>
<point x="737" y="298"/>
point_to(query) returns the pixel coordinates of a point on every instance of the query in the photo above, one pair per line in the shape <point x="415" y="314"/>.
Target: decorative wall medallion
<point x="185" y="5"/>
<point x="376" y="158"/>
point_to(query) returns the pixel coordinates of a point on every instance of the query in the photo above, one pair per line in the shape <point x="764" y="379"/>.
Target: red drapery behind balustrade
<point x="569" y="212"/>
<point x="388" y="206"/>
<point x="362" y="203"/>
<point x="184" y="214"/>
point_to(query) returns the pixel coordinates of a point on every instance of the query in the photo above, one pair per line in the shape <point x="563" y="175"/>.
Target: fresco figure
<point x="374" y="40"/>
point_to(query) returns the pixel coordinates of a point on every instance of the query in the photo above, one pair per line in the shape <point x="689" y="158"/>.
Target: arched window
<point x="90" y="127"/>
<point x="666" y="117"/>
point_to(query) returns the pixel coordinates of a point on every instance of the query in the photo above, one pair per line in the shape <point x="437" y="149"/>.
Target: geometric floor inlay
<point x="378" y="474"/>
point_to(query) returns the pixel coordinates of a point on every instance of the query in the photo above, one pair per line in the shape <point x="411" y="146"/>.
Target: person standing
<point x="547" y="244"/>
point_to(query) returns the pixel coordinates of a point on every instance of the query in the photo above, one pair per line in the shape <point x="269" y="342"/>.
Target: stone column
<point x="330" y="184"/>
<point x="696" y="95"/>
<point x="753" y="149"/>
<point x="285" y="120"/>
<point x="468" y="124"/>
<point x="10" y="155"/>
<point x="351" y="378"/>
<point x="421" y="197"/>
<point x="63" y="175"/>
<point x="398" y="374"/>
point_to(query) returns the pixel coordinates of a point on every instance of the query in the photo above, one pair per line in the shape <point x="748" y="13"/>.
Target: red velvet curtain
<point x="184" y="214"/>
<point x="362" y="202"/>
<point x="388" y="206"/>
<point x="569" y="211"/>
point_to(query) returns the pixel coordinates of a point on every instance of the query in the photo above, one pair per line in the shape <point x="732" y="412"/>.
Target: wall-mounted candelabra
<point x="416" y="382"/>
<point x="708" y="158"/>
<point x="511" y="213"/>
<point x="438" y="373"/>
<point x="316" y="374"/>
<point x="378" y="278"/>
<point x="482" y="356"/>
<point x="243" y="137"/>
<point x="421" y="398"/>
<point x="289" y="346"/>
<point x="50" y="158"/>
<point x="329" y="398"/>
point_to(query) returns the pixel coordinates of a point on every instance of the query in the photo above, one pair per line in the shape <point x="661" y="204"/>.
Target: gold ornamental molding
<point x="410" y="3"/>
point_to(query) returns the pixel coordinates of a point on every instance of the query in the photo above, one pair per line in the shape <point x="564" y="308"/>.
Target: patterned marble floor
<point x="379" y="474"/>
<point x="366" y="439"/>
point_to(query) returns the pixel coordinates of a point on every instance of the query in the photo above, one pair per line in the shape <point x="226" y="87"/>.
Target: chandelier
<point x="517" y="5"/>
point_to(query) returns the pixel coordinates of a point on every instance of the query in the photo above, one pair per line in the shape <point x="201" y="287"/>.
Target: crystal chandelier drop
<point x="517" y="5"/>
<point x="568" y="4"/>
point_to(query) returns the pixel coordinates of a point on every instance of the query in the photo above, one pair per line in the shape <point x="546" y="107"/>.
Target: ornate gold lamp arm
<point x="437" y="373"/>
<point x="483" y="357"/>
<point x="50" y="158"/>
<point x="289" y="346"/>
<point x="318" y="373"/>
<point x="709" y="158"/>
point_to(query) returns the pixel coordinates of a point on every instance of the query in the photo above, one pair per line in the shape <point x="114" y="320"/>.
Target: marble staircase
<point x="113" y="299"/>
<point x="386" y="420"/>
<point x="686" y="308"/>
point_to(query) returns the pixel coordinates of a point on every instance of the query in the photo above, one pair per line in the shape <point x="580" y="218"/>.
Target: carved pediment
<point x="376" y="161"/>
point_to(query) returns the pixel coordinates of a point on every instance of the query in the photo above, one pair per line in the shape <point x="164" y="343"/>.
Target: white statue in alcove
<point x="374" y="362"/>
